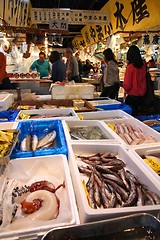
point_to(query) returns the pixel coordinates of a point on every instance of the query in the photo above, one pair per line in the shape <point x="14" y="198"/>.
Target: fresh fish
<point x="34" y="142"/>
<point x="92" y="202"/>
<point x="97" y="196"/>
<point x="132" y="199"/>
<point x="155" y="197"/>
<point x="112" y="202"/>
<point x="85" y="170"/>
<point x="105" y="200"/>
<point x="117" y="188"/>
<point x="123" y="177"/>
<point x="47" y="139"/>
<point x="90" y="182"/>
<point x="140" y="200"/>
<point x="114" y="178"/>
<point x="26" y="144"/>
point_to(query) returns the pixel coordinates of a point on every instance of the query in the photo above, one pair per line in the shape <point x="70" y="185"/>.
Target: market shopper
<point x="41" y="65"/>
<point x="4" y="80"/>
<point x="135" y="79"/>
<point x="87" y="68"/>
<point x="58" y="67"/>
<point x="110" y="75"/>
<point x="80" y="66"/>
<point x="72" y="66"/>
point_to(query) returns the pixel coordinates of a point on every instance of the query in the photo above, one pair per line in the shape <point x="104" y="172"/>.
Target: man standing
<point x="4" y="80"/>
<point x="72" y="66"/>
<point x="41" y="65"/>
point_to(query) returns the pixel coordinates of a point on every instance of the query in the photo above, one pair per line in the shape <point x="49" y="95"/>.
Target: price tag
<point x="24" y="116"/>
<point x="80" y="117"/>
<point x="24" y="107"/>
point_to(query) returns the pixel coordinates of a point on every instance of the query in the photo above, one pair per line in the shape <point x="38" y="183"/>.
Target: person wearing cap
<point x="4" y="80"/>
<point x="58" y="67"/>
<point x="72" y="66"/>
<point x="41" y="65"/>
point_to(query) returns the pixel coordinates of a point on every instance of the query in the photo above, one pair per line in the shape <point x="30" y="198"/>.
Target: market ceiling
<point x="72" y="4"/>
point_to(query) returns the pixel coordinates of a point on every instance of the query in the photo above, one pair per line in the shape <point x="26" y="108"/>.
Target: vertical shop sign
<point x="16" y="12"/>
<point x="99" y="32"/>
<point x="92" y="33"/>
<point x="139" y="10"/>
<point x="120" y="19"/>
<point x="78" y="42"/>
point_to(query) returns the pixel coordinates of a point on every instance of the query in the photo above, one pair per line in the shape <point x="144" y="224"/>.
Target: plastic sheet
<point x="8" y="116"/>
<point x="41" y="128"/>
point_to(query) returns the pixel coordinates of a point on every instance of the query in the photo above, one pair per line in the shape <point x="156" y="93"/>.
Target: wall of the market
<point x="1" y="8"/>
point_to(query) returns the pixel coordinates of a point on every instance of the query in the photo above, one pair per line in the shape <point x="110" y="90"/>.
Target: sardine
<point x="117" y="188"/>
<point x="97" y="194"/>
<point x="154" y="196"/>
<point x="90" y="182"/>
<point x="114" y="178"/>
<point x="92" y="202"/>
<point x="47" y="139"/>
<point x="84" y="170"/>
<point x="105" y="199"/>
<point x="132" y="199"/>
<point x="140" y="200"/>
<point x="123" y="177"/>
<point x="34" y="142"/>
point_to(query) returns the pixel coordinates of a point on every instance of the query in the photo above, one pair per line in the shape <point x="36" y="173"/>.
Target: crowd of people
<point x="74" y="69"/>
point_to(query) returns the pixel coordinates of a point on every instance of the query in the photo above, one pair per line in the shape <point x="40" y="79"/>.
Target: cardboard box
<point x="88" y="214"/>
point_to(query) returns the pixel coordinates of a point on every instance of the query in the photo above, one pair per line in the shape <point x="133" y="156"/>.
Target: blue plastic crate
<point x="151" y="117"/>
<point x="41" y="128"/>
<point x="121" y="106"/>
<point x="8" y="116"/>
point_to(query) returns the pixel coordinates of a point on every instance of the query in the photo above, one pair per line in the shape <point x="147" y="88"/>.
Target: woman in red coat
<point x="135" y="79"/>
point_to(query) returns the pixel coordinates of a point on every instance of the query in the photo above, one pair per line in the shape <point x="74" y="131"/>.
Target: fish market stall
<point x="45" y="185"/>
<point x="109" y="183"/>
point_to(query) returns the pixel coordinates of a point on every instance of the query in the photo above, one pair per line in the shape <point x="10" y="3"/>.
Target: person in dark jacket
<point x="58" y="67"/>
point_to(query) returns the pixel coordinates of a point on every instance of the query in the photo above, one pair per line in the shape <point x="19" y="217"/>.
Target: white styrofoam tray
<point x="90" y="123"/>
<point x="54" y="169"/>
<point x="104" y="102"/>
<point x="86" y="213"/>
<point x="103" y="115"/>
<point x="8" y="125"/>
<point x="6" y="100"/>
<point x="135" y="122"/>
<point x="56" y="111"/>
<point x="139" y="151"/>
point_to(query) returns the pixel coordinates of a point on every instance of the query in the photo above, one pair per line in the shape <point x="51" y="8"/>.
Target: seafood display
<point x="131" y="134"/>
<point x="37" y="116"/>
<point x="151" y="122"/>
<point x="109" y="184"/>
<point x="32" y="143"/>
<point x="87" y="133"/>
<point x="37" y="201"/>
<point x="8" y="139"/>
<point x="153" y="162"/>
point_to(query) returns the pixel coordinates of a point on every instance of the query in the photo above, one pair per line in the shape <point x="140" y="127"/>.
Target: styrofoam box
<point x="56" y="170"/>
<point x="6" y="101"/>
<point x="72" y="91"/>
<point x="139" y="151"/>
<point x="103" y="102"/>
<point x="56" y="111"/>
<point x="90" y="123"/>
<point x="104" y="115"/>
<point x="135" y="122"/>
<point x="8" y="125"/>
<point x="88" y="214"/>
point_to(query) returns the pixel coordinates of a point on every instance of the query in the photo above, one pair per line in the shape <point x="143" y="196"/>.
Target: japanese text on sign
<point x="57" y="24"/>
<point x="40" y="15"/>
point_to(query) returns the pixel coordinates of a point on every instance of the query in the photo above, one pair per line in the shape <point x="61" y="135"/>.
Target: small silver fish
<point x="26" y="144"/>
<point x="47" y="139"/>
<point x="34" y="142"/>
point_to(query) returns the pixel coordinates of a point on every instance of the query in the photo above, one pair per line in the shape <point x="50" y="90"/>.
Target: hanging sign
<point x="57" y="24"/>
<point x="133" y="15"/>
<point x="16" y="12"/>
<point x="78" y="43"/>
<point x="43" y="15"/>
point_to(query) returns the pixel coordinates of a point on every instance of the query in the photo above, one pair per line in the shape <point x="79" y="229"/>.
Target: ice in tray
<point x="109" y="183"/>
<point x="88" y="131"/>
<point x="35" y="196"/>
